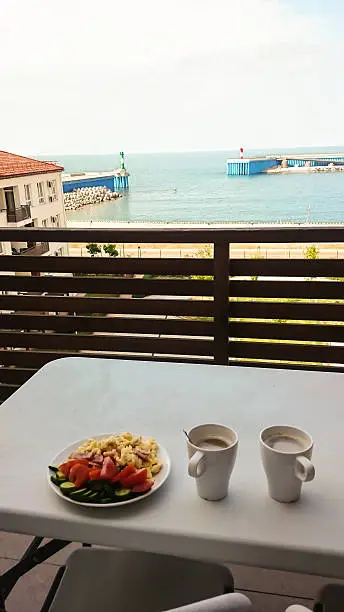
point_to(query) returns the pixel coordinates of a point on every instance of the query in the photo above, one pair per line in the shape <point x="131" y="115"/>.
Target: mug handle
<point x="304" y="469"/>
<point x="197" y="465"/>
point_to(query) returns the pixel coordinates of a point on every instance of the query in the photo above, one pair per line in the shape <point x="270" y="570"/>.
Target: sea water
<point x="194" y="187"/>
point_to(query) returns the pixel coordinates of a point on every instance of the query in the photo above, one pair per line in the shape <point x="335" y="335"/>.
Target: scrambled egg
<point x="126" y="448"/>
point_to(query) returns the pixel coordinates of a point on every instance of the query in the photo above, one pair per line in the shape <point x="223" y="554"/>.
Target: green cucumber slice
<point x="122" y="494"/>
<point x="67" y="487"/>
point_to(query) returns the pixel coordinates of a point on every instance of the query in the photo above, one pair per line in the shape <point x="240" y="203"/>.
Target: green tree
<point x="256" y="255"/>
<point x="311" y="252"/>
<point x="111" y="250"/>
<point x="93" y="249"/>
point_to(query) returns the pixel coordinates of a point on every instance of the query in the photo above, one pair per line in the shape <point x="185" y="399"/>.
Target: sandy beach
<point x="285" y="251"/>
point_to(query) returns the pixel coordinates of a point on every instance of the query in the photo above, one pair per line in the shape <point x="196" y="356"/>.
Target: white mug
<point x="286" y="452"/>
<point x="212" y="452"/>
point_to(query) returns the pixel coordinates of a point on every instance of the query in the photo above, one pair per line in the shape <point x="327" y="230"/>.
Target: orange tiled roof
<point x="17" y="165"/>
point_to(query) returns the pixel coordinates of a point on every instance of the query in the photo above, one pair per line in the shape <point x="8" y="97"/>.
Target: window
<point x="55" y="221"/>
<point x="44" y="222"/>
<point x="27" y="190"/>
<point x="40" y="189"/>
<point x="52" y="190"/>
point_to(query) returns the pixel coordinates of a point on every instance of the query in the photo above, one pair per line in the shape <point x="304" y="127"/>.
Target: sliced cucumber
<point x="55" y="480"/>
<point x="53" y="468"/>
<point x="78" y="494"/>
<point x="106" y="500"/>
<point x="93" y="497"/>
<point x="108" y="490"/>
<point x="67" y="487"/>
<point x="122" y="494"/>
<point x="60" y="476"/>
<point x="96" y="485"/>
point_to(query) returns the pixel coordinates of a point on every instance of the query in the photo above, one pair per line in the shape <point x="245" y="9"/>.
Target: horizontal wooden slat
<point x="37" y="359"/>
<point x="161" y="234"/>
<point x="15" y="376"/>
<point x="106" y="285"/>
<point x="288" y="267"/>
<point x="289" y="352"/>
<point x="107" y="343"/>
<point x="7" y="390"/>
<point x="143" y="325"/>
<point x="287" y="289"/>
<point x="259" y="363"/>
<point x="285" y="331"/>
<point x="237" y="288"/>
<point x="286" y="310"/>
<point x="107" y="265"/>
<point x="201" y="308"/>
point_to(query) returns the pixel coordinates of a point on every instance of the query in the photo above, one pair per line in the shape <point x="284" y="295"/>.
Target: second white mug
<point x="286" y="455"/>
<point x="212" y="451"/>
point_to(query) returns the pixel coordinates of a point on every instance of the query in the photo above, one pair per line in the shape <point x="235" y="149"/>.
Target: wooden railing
<point x="266" y="312"/>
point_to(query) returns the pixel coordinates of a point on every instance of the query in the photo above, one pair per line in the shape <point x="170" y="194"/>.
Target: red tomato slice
<point x="129" y="469"/>
<point x="94" y="474"/>
<point x="79" y="474"/>
<point x="134" y="479"/>
<point x="143" y="487"/>
<point x="115" y="478"/>
<point x="66" y="467"/>
<point x="109" y="469"/>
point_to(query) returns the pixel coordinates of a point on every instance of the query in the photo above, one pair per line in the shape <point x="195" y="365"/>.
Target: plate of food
<point x="109" y="470"/>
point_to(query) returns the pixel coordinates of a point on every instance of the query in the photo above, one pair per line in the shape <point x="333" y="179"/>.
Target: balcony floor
<point x="269" y="590"/>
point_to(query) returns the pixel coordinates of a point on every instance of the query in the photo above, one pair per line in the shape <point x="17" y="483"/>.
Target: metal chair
<point x="126" y="581"/>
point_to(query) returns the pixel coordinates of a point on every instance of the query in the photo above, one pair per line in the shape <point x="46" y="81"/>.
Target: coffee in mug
<point x="212" y="452"/>
<point x="212" y="443"/>
<point x="286" y="455"/>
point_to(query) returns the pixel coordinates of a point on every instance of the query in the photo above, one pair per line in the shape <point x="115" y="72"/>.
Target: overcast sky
<point x="98" y="76"/>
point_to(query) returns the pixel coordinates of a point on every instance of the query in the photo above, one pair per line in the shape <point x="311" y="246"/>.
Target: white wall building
<point x="31" y="196"/>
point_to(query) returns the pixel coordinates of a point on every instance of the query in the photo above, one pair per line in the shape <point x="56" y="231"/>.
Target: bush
<point x="111" y="250"/>
<point x="93" y="249"/>
<point x="312" y="252"/>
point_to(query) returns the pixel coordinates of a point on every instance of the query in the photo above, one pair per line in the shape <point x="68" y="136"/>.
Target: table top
<point x="74" y="398"/>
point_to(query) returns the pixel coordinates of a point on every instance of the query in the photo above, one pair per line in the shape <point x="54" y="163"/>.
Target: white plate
<point x="159" y="479"/>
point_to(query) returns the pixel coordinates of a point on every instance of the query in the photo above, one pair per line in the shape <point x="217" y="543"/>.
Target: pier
<point x="257" y="165"/>
<point x="116" y="180"/>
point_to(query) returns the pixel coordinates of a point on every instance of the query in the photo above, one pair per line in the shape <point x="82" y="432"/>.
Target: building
<point x="30" y="196"/>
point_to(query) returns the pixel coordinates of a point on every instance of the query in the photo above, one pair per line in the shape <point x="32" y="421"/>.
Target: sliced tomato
<point x="129" y="469"/>
<point x="94" y="474"/>
<point x="109" y="469"/>
<point x="143" y="487"/>
<point x="115" y="478"/>
<point x="79" y="474"/>
<point x="134" y="479"/>
<point x="66" y="467"/>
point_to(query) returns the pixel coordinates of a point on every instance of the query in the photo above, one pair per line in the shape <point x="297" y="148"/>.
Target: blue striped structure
<point x="257" y="165"/>
<point x="247" y="167"/>
<point x="115" y="183"/>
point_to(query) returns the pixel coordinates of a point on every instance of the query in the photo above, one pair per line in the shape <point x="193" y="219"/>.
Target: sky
<point x="170" y="75"/>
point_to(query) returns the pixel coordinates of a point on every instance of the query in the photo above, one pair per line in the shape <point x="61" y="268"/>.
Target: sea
<point x="193" y="187"/>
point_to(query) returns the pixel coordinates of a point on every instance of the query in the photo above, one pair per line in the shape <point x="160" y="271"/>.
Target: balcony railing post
<point x="221" y="274"/>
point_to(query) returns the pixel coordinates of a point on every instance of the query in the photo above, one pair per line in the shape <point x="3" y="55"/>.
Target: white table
<point x="73" y="398"/>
